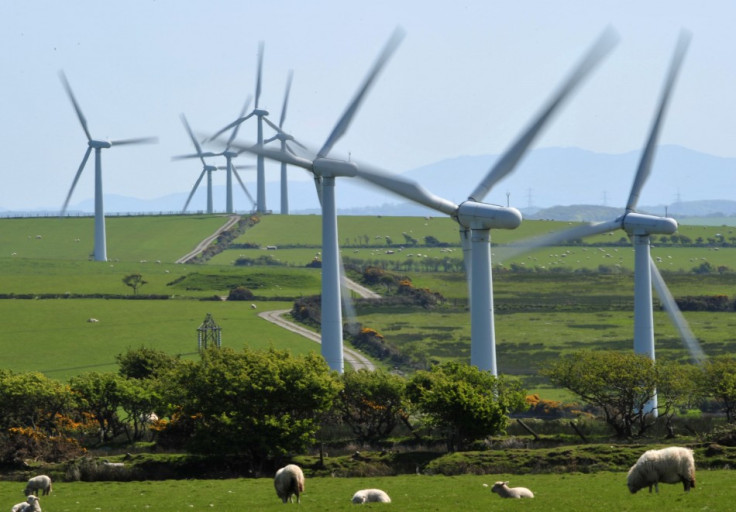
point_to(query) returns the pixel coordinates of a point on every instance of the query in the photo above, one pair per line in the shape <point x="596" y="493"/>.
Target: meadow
<point x="553" y="492"/>
<point x="539" y="315"/>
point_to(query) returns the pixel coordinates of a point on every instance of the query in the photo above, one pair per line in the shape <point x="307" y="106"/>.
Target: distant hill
<point x="683" y="183"/>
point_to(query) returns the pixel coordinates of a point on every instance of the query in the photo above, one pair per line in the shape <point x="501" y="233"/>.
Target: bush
<point x="240" y="293"/>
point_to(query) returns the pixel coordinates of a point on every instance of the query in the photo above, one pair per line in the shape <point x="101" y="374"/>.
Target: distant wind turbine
<point x="100" y="251"/>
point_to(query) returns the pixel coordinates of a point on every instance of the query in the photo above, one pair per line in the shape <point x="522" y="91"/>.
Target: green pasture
<point x="55" y="337"/>
<point x="164" y="238"/>
<point x="420" y="493"/>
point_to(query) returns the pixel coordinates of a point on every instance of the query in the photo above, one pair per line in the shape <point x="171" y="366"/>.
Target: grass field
<point x="565" y="493"/>
<point x="538" y="315"/>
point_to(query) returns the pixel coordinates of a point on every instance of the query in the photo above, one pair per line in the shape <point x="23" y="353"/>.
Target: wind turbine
<point x="206" y="168"/>
<point x="476" y="218"/>
<point x="260" y="115"/>
<point x="100" y="252"/>
<point x="283" y="137"/>
<point x="325" y="170"/>
<point x="639" y="227"/>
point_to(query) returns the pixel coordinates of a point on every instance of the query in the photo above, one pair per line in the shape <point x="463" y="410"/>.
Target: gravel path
<point x="201" y="246"/>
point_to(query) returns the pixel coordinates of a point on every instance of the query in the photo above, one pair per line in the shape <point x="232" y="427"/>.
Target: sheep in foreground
<point x="38" y="483"/>
<point x="668" y="465"/>
<point x="370" y="496"/>
<point x="31" y="504"/>
<point x="289" y="481"/>
<point x="503" y="490"/>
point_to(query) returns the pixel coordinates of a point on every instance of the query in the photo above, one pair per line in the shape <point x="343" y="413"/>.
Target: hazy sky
<point x="466" y="79"/>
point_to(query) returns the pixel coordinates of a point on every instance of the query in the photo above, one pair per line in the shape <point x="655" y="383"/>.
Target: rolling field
<point x="565" y="493"/>
<point x="538" y="315"/>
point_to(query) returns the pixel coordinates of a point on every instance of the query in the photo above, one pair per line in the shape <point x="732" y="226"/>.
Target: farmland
<point x="563" y="302"/>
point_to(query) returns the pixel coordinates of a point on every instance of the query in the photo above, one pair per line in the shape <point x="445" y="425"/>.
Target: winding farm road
<point x="201" y="246"/>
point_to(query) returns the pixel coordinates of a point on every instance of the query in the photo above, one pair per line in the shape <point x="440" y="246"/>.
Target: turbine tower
<point x="639" y="227"/>
<point x="100" y="251"/>
<point x="325" y="170"/>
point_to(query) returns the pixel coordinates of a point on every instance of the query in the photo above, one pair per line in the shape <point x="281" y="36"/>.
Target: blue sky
<point x="466" y="79"/>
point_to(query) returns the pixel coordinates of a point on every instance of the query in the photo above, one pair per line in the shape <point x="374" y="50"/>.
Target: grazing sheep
<point x="38" y="483"/>
<point x="370" y="496"/>
<point x="503" y="490"/>
<point x="668" y="465"/>
<point x="289" y="481"/>
<point x="31" y="504"/>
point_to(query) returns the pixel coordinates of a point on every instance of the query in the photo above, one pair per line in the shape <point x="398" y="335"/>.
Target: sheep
<point x="289" y="481"/>
<point x="31" y="504"/>
<point x="668" y="465"/>
<point x="370" y="496"/>
<point x="503" y="490"/>
<point x="40" y="482"/>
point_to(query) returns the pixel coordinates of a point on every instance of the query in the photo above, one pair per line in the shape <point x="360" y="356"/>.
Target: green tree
<point x="144" y="363"/>
<point x="138" y="399"/>
<point x="135" y="281"/>
<point x="258" y="405"/>
<point x="719" y="382"/>
<point x="371" y="403"/>
<point x="465" y="403"/>
<point x="619" y="383"/>
<point x="101" y="395"/>
<point x="32" y="400"/>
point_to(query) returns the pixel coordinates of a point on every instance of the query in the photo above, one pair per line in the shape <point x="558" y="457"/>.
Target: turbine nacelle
<point x="475" y="215"/>
<point x="99" y="144"/>
<point x="640" y="224"/>
<point x="260" y="112"/>
<point x="331" y="168"/>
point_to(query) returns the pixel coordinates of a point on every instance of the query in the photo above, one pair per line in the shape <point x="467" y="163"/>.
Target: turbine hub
<point x="641" y="224"/>
<point x="475" y="215"/>
<point x="99" y="144"/>
<point x="329" y="168"/>
<point x="260" y="112"/>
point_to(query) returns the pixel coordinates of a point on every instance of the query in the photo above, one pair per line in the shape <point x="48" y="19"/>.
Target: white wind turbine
<point x="476" y="219"/>
<point x="260" y="115"/>
<point x="206" y="168"/>
<point x="284" y="138"/>
<point x="639" y="227"/>
<point x="100" y="251"/>
<point x="325" y="170"/>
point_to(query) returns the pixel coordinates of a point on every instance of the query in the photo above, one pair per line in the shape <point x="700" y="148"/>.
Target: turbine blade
<point x="231" y="125"/>
<point x="347" y="301"/>
<point x="260" y="68"/>
<point x="194" y="139"/>
<point x="647" y="157"/>
<point x="270" y="123"/>
<point x="140" y="140"/>
<point x="194" y="189"/>
<point x="286" y="98"/>
<point x="69" y="92"/>
<point x="347" y="117"/>
<point x="508" y="161"/>
<point x="691" y="342"/>
<point x="237" y="126"/>
<point x="76" y="179"/>
<point x="318" y="186"/>
<point x="582" y="231"/>
<point x="406" y="188"/>
<point x="195" y="155"/>
<point x="278" y="155"/>
<point x="242" y="185"/>
<point x="266" y="141"/>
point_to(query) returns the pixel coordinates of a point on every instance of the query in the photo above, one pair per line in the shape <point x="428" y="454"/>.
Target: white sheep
<point x="289" y="481"/>
<point x="38" y="483"/>
<point x="370" y="496"/>
<point x="503" y="490"/>
<point x="32" y="504"/>
<point x="668" y="465"/>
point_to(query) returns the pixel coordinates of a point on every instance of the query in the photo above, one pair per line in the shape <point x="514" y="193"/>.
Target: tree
<point x="719" y="382"/>
<point x="620" y="384"/>
<point x="261" y="405"/>
<point x="101" y="395"/>
<point x="135" y="281"/>
<point x="144" y="363"/>
<point x="371" y="403"/>
<point x="240" y="293"/>
<point x="464" y="402"/>
<point x="32" y="400"/>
